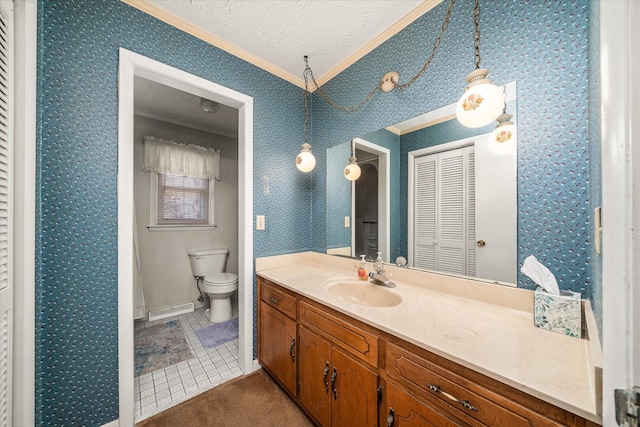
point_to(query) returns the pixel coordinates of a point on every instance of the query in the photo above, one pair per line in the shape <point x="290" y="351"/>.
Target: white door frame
<point x="24" y="205"/>
<point x="384" y="198"/>
<point x="132" y="64"/>
<point x="619" y="66"/>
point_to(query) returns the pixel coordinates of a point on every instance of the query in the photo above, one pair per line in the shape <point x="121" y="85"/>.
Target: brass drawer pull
<point x="274" y="300"/>
<point x="464" y="403"/>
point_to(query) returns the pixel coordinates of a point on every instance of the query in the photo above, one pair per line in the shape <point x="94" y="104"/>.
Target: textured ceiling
<point x="280" y="32"/>
<point x="274" y="35"/>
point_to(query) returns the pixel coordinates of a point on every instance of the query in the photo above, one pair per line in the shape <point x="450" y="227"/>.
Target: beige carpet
<point x="250" y="401"/>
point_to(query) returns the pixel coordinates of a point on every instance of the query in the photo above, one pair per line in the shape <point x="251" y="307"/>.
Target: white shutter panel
<point x="452" y="229"/>
<point x="6" y="291"/>
<point x="425" y="212"/>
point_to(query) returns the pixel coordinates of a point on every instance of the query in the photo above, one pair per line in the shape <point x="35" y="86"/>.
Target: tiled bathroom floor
<point x="161" y="389"/>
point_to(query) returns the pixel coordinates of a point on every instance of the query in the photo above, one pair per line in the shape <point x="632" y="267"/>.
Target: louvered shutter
<point x="6" y="291"/>
<point x="444" y="211"/>
<point x="452" y="227"/>
<point x="425" y="190"/>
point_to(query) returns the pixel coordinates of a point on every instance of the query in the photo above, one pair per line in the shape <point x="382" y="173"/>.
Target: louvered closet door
<point x="443" y="194"/>
<point x="425" y="190"/>
<point x="6" y="290"/>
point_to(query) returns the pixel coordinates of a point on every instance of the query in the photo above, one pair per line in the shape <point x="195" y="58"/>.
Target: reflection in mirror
<point x="451" y="206"/>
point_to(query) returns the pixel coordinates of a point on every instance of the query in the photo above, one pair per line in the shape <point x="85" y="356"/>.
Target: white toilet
<point x="209" y="265"/>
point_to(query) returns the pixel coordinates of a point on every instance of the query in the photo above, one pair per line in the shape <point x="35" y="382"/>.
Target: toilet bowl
<point x="219" y="287"/>
<point x="208" y="265"/>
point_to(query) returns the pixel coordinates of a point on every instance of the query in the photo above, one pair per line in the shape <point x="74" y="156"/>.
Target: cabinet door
<point x="277" y="346"/>
<point x="354" y="393"/>
<point x="315" y="376"/>
<point x="402" y="410"/>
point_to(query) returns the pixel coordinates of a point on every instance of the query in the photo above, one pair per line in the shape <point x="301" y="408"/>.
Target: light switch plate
<point x="347" y="222"/>
<point x="260" y="222"/>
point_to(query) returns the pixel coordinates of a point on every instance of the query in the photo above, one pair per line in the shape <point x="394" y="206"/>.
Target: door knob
<point x="480" y="243"/>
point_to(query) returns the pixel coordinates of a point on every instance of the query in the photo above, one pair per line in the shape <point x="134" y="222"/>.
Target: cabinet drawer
<point x="354" y="340"/>
<point x="278" y="299"/>
<point x="435" y="384"/>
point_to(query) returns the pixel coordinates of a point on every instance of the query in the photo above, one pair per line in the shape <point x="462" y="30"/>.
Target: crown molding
<point x="181" y="24"/>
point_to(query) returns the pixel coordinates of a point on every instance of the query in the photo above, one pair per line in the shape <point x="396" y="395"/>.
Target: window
<point x="181" y="201"/>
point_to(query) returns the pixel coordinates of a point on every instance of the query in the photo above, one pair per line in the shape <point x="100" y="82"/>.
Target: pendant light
<point x="352" y="171"/>
<point x="505" y="130"/>
<point x="482" y="101"/>
<point x="305" y="161"/>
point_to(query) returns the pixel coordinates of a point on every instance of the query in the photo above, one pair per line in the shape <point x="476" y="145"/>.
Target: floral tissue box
<point x="562" y="313"/>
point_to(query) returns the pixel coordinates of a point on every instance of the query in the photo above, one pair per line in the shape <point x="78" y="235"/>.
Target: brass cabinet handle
<point x="481" y="243"/>
<point x="291" y="352"/>
<point x="464" y="403"/>
<point x="325" y="372"/>
<point x="274" y="300"/>
<point x="334" y="375"/>
<point x="390" y="418"/>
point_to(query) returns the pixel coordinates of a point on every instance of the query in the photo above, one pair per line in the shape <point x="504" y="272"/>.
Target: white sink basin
<point x="363" y="293"/>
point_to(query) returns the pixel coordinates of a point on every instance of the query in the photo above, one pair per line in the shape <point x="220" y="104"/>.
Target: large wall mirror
<point x="439" y="194"/>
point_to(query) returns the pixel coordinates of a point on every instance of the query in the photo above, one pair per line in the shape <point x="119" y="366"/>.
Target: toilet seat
<point x="220" y="279"/>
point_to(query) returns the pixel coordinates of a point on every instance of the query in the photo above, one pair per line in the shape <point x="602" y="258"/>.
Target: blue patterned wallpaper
<point x="540" y="44"/>
<point x="543" y="46"/>
<point x="595" y="153"/>
<point x="76" y="278"/>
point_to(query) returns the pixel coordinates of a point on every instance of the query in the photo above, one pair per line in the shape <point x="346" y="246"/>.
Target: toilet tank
<point x="208" y="261"/>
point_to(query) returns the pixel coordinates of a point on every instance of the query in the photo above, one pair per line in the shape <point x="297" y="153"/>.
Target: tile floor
<point x="158" y="390"/>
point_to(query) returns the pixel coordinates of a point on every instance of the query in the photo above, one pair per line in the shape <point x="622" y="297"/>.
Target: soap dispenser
<point x="378" y="266"/>
<point x="362" y="269"/>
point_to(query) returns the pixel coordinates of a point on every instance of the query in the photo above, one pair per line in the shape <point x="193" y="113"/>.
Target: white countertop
<point x="485" y="327"/>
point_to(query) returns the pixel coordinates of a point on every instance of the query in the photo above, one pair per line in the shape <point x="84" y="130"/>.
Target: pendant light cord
<point x="355" y="107"/>
<point x="476" y="41"/>
<point x="306" y="98"/>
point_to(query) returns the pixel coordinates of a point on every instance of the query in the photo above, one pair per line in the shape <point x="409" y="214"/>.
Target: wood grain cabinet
<point x="277" y="335"/>
<point x="335" y="389"/>
<point x="399" y="409"/>
<point x="343" y="372"/>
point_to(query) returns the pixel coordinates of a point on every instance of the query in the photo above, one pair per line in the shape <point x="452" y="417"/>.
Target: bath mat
<point x="159" y="346"/>
<point x="218" y="333"/>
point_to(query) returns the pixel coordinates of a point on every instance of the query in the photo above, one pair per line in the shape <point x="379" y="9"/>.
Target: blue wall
<point x="595" y="153"/>
<point x="543" y="46"/>
<point x="76" y="278"/>
<point x="540" y="44"/>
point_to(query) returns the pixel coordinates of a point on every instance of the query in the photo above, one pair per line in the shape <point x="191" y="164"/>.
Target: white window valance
<point x="169" y="157"/>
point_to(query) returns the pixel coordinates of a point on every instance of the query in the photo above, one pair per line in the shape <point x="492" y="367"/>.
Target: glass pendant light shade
<point x="505" y="130"/>
<point x="305" y="161"/>
<point x="481" y="103"/>
<point x="352" y="171"/>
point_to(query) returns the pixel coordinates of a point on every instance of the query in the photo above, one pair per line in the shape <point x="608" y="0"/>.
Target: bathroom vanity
<point x="435" y="350"/>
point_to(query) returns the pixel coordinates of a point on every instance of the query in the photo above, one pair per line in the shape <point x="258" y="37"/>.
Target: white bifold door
<point x="465" y="213"/>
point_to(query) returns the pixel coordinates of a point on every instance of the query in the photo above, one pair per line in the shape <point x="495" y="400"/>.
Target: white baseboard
<point x="114" y="423"/>
<point x="255" y="366"/>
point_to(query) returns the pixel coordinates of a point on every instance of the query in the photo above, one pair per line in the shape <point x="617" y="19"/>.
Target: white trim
<point x="619" y="64"/>
<point x="114" y="423"/>
<point x="132" y="64"/>
<point x="384" y="197"/>
<point x="24" y="202"/>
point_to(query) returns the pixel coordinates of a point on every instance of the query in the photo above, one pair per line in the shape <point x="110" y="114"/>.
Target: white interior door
<point x="496" y="211"/>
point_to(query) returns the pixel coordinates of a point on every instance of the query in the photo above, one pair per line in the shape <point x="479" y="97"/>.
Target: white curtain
<point x="166" y="156"/>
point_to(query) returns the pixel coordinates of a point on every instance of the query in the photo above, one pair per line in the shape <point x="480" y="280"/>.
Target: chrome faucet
<point x="379" y="277"/>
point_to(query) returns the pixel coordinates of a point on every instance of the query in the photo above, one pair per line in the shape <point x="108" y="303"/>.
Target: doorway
<point x="370" y="202"/>
<point x="132" y="65"/>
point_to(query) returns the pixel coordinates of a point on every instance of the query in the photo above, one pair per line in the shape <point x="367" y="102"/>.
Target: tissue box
<point x="562" y="313"/>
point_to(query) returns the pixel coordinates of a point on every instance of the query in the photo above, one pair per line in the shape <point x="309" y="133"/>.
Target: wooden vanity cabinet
<point x="333" y="365"/>
<point x="400" y="409"/>
<point x="459" y="393"/>
<point x="334" y="387"/>
<point x="277" y="334"/>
